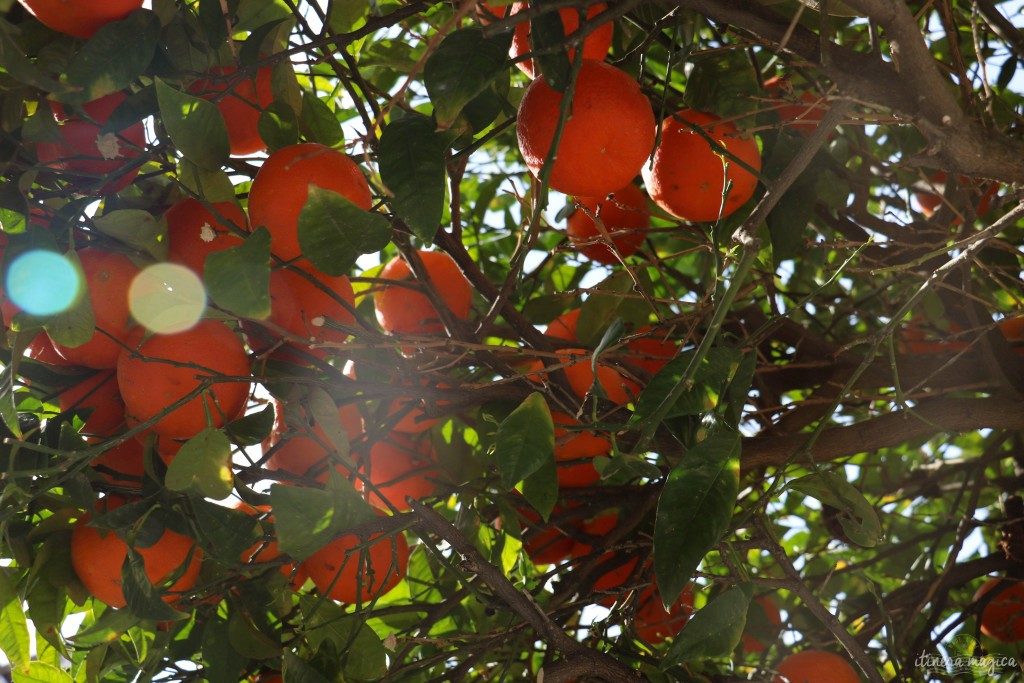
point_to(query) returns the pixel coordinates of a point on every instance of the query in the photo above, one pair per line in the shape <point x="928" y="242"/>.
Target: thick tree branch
<point x="932" y="417"/>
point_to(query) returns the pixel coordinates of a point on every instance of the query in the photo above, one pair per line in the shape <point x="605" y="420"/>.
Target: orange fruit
<point x="122" y="465"/>
<point x="79" y="18"/>
<point x="281" y="188"/>
<point x="399" y="468"/>
<point x="801" y="117"/>
<point x="404" y="310"/>
<point x="769" y="614"/>
<point x="564" y="326"/>
<point x="686" y="177"/>
<point x="353" y="570"/>
<point x="653" y="623"/>
<point x="241" y="98"/>
<point x="304" y="449"/>
<point x="267" y="550"/>
<point x="574" y="451"/>
<point x="413" y="420"/>
<point x="652" y="351"/>
<point x="611" y="571"/>
<point x="87" y="156"/>
<point x="97" y="558"/>
<point x="576" y="363"/>
<point x="194" y="231"/>
<point x="545" y="544"/>
<point x="625" y="217"/>
<point x="605" y="142"/>
<point x="1003" y="616"/>
<point x="595" y="45"/>
<point x="983" y="192"/>
<point x="108" y="275"/>
<point x="816" y="666"/>
<point x="41" y="350"/>
<point x="98" y="401"/>
<point x="167" y="367"/>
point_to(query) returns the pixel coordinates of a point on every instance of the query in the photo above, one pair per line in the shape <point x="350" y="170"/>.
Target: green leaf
<point x="18" y="65"/>
<point x="212" y="186"/>
<point x="694" y="510"/>
<point x="278" y="125"/>
<point x="13" y="625"/>
<point x="76" y="325"/>
<point x="252" y="429"/>
<point x="205" y="463"/>
<point x="710" y="378"/>
<point x="226" y="532"/>
<point x="334" y="232"/>
<point x="541" y="488"/>
<point x="297" y="670"/>
<point x="714" y="631"/>
<point x="308" y="519"/>
<point x="142" y="597"/>
<point x="41" y="672"/>
<point x="547" y="31"/>
<point x="238" y="278"/>
<point x="136" y="228"/>
<point x="412" y="166"/>
<point x="462" y="67"/>
<point x="248" y="640"/>
<point x="223" y="664"/>
<point x="324" y="412"/>
<point x="787" y="222"/>
<point x="195" y="125"/>
<point x="858" y="518"/>
<point x="365" y="658"/>
<point x="344" y="14"/>
<point x="525" y="440"/>
<point x="614" y="298"/>
<point x="115" y="56"/>
<point x="734" y="398"/>
<point x="320" y="120"/>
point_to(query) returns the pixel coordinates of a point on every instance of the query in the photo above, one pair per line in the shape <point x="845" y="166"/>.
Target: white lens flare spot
<point x="43" y="282"/>
<point x="167" y="298"/>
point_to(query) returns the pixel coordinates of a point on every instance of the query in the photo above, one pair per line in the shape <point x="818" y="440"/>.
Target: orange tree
<point x="793" y="376"/>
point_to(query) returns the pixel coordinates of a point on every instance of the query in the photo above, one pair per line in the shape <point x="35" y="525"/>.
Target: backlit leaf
<point x="334" y="232"/>
<point x="412" y="166"/>
<point x="195" y="125"/>
<point x="238" y="278"/>
<point x="114" y="57"/>
<point x="204" y="462"/>
<point x="308" y="519"/>
<point x="462" y="67"/>
<point x="713" y="631"/>
<point x="525" y="440"/>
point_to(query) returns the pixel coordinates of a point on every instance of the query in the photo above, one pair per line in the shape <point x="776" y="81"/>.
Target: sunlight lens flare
<point x="167" y="298"/>
<point x="43" y="282"/>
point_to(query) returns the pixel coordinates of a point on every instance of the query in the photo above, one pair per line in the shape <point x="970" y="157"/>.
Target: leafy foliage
<point x="821" y="391"/>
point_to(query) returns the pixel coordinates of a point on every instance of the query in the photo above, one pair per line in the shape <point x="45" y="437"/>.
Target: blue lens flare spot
<point x="42" y="283"/>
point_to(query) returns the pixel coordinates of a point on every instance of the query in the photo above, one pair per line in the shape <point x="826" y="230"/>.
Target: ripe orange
<point x="122" y="465"/>
<point x="771" y="614"/>
<point x="652" y="351"/>
<point x="304" y="449"/>
<point x="1003" y="616"/>
<point x="564" y="326"/>
<point x="79" y="18"/>
<point x="625" y="217"/>
<point x="653" y="623"/>
<point x="360" y="570"/>
<point x="612" y="571"/>
<point x="87" y="157"/>
<point x="281" y="188"/>
<point x="816" y="666"/>
<point x="686" y="177"/>
<point x="108" y="275"/>
<point x="595" y="45"/>
<point x="167" y="367"/>
<point x="405" y="310"/>
<point x="575" y="450"/>
<point x="802" y="118"/>
<point x="41" y="350"/>
<point x="605" y="142"/>
<point x="576" y="363"/>
<point x="241" y="99"/>
<point x="545" y="544"/>
<point x="194" y="231"/>
<point x="983" y="192"/>
<point x="399" y="468"/>
<point x="98" y="401"/>
<point x="413" y="419"/>
<point x="97" y="558"/>
<point x="267" y="550"/>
